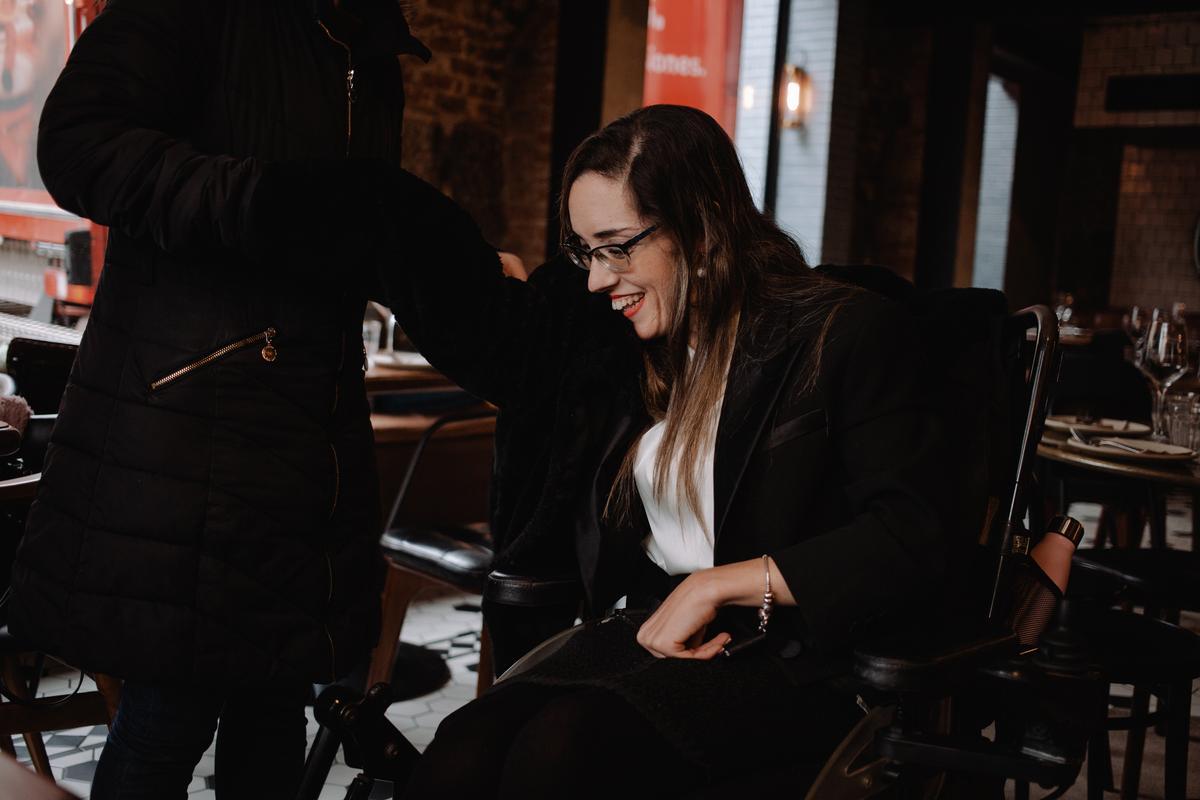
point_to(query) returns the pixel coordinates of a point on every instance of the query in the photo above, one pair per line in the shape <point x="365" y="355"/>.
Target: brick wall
<point x="1158" y="208"/>
<point x="890" y="147"/>
<point x="1159" y="196"/>
<point x="1154" y="44"/>
<point x="478" y="115"/>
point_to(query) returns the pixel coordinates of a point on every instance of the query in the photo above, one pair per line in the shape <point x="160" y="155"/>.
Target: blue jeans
<point x="160" y="733"/>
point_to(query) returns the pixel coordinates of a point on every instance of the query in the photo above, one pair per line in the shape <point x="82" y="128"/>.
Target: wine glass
<point x="1135" y="324"/>
<point x="1164" y="360"/>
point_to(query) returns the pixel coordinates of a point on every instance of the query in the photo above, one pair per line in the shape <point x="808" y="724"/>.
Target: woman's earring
<point x="700" y="272"/>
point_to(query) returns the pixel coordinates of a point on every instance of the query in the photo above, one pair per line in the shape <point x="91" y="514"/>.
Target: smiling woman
<point x="707" y="429"/>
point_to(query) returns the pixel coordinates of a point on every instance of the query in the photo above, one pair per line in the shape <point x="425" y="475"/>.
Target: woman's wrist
<point x="743" y="583"/>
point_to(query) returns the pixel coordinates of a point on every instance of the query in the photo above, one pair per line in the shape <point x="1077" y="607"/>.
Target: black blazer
<point x="837" y="483"/>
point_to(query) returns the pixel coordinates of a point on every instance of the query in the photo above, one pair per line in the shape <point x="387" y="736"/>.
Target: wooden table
<point x="382" y="379"/>
<point x="1180" y="475"/>
<point x="22" y="488"/>
<point x="1155" y="478"/>
<point x="450" y="486"/>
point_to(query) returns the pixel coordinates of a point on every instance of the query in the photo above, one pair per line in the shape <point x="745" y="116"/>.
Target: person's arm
<point x="891" y="551"/>
<point x="114" y="147"/>
<point x="500" y="338"/>
<point x="110" y="141"/>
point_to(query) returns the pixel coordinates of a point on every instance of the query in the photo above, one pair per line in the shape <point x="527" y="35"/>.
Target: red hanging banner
<point x="692" y="51"/>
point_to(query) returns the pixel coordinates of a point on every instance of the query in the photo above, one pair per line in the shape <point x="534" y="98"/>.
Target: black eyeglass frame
<point x="583" y="258"/>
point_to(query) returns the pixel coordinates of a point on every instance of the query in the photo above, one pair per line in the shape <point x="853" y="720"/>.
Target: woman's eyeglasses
<point x="613" y="257"/>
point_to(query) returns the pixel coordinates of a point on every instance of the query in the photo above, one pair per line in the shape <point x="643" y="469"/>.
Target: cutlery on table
<point x="1096" y="441"/>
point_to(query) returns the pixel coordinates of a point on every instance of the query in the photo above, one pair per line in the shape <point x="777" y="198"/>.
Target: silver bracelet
<point x="764" y="613"/>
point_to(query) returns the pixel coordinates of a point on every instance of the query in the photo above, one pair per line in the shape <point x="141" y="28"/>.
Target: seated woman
<point x="735" y="445"/>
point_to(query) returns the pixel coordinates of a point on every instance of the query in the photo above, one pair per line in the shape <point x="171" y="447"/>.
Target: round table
<point x="382" y="379"/>
<point x="1181" y="475"/>
<point x="22" y="488"/>
<point x="1157" y="478"/>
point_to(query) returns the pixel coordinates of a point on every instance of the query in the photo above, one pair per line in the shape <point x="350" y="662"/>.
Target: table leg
<point x="1179" y="704"/>
<point x="1158" y="518"/>
<point x="1195" y="521"/>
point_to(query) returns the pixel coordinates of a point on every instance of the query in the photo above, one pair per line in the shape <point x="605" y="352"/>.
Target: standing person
<point x="707" y="429"/>
<point x="207" y="523"/>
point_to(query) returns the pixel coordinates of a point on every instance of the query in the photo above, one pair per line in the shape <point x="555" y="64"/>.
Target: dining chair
<point x="1145" y="651"/>
<point x="424" y="556"/>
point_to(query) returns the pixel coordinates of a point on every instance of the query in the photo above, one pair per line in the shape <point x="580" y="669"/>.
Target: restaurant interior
<point x="1047" y="152"/>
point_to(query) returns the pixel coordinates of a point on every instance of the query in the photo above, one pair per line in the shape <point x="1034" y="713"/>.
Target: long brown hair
<point x="738" y="272"/>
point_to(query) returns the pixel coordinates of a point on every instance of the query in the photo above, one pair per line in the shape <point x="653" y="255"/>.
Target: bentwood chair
<point x="423" y="556"/>
<point x="1144" y="651"/>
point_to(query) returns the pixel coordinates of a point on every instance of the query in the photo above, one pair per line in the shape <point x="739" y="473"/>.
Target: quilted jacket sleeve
<point x="500" y="338"/>
<point x="111" y="146"/>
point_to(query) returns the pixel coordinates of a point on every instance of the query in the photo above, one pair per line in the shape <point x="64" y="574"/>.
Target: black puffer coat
<point x="208" y="509"/>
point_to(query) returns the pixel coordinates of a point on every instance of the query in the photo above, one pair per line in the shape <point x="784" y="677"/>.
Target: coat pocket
<point x="265" y="338"/>
<point x="783" y="432"/>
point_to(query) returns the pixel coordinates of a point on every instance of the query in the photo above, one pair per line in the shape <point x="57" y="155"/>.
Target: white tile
<point x="341" y="775"/>
<point x="420" y="737"/>
<point x="463" y="691"/>
<point x="76" y="787"/>
<point x="447" y="704"/>
<point x="409" y="708"/>
<point x="430" y="720"/>
<point x="72" y="758"/>
<point x="77" y="731"/>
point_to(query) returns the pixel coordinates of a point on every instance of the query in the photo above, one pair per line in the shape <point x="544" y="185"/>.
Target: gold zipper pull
<point x="269" y="353"/>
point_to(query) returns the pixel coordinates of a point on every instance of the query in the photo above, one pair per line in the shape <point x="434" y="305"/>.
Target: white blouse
<point x="678" y="542"/>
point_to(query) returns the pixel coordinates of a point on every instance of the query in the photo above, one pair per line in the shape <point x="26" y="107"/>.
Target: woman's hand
<point x="513" y="266"/>
<point x="677" y="629"/>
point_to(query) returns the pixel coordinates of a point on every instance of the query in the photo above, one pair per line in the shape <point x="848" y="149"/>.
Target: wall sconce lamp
<point x="797" y="96"/>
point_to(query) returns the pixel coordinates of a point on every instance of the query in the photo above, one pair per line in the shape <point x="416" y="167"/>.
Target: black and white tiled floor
<point x="450" y="624"/>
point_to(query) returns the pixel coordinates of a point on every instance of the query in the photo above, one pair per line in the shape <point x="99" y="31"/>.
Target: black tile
<point x="382" y="790"/>
<point x="84" y="772"/>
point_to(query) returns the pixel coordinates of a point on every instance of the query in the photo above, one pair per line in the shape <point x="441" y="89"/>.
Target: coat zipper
<point x="350" y="88"/>
<point x="268" y="352"/>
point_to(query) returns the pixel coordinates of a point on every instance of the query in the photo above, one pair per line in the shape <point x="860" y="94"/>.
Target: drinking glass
<point x="1135" y="323"/>
<point x="1164" y="360"/>
<point x="371" y="330"/>
<point x="1182" y="413"/>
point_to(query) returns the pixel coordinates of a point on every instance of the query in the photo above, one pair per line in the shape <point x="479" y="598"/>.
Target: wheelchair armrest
<point x="530" y="592"/>
<point x="933" y="660"/>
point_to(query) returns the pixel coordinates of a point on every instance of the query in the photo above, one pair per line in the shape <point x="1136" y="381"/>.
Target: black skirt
<point x="769" y="701"/>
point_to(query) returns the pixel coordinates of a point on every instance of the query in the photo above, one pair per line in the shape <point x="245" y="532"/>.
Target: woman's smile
<point x="628" y="304"/>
